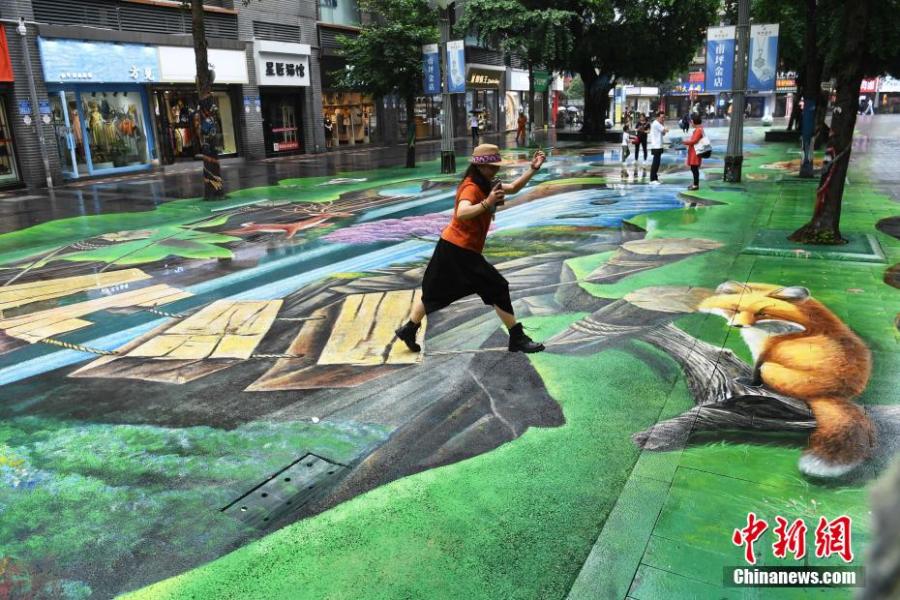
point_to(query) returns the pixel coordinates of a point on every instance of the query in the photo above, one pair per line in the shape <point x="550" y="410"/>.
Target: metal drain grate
<point x="285" y="491"/>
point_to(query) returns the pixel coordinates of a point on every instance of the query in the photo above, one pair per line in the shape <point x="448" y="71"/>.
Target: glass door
<point x="69" y="134"/>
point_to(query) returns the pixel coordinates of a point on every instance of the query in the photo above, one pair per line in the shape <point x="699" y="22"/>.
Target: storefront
<point x="483" y="96"/>
<point x="427" y="117"/>
<point x="785" y="93"/>
<point x="9" y="172"/>
<point x="174" y="100"/>
<point x="350" y="113"/>
<point x="888" y="95"/>
<point x="282" y="73"/>
<point x="111" y="102"/>
<point x="99" y="104"/>
<point x="516" y="96"/>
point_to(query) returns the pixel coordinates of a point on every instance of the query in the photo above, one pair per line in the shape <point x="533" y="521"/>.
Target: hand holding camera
<point x="497" y="197"/>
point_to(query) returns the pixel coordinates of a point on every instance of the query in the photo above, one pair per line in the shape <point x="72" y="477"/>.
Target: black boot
<point x="519" y="342"/>
<point x="407" y="333"/>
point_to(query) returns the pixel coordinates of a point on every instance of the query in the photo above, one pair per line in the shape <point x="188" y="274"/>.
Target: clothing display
<point x="175" y="124"/>
<point x="8" y="173"/>
<point x="115" y="128"/>
<point x="352" y="114"/>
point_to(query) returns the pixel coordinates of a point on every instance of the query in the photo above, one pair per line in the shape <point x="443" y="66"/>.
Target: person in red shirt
<point x="693" y="159"/>
<point x="458" y="268"/>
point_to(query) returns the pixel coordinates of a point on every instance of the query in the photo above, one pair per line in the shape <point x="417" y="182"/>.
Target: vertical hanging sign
<point x="763" y="58"/>
<point x="456" y="67"/>
<point x="719" y="59"/>
<point x="431" y="68"/>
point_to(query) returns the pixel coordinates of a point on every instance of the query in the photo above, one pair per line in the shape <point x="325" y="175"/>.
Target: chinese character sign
<point x="456" y="67"/>
<point x="763" y="57"/>
<point x="831" y="538"/>
<point x="719" y="59"/>
<point x="431" y="67"/>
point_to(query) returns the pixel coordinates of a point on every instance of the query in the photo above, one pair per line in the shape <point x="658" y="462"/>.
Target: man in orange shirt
<point x="458" y="268"/>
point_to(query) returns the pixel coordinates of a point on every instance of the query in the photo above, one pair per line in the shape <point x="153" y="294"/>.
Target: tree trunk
<point x="213" y="188"/>
<point x="410" y="131"/>
<point x="596" y="102"/>
<point x="812" y="86"/>
<point x="824" y="227"/>
<point x="530" y="139"/>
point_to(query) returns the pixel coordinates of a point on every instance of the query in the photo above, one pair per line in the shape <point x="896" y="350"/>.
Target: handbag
<point x="703" y="147"/>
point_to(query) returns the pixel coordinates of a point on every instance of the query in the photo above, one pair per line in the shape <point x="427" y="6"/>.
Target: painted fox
<point x="801" y="349"/>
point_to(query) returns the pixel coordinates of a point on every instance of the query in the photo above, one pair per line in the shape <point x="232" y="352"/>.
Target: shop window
<point x="352" y="115"/>
<point x="339" y="12"/>
<point x="8" y="172"/>
<point x="116" y="131"/>
<point x="175" y="109"/>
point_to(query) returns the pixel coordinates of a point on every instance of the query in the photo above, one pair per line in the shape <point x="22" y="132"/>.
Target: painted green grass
<point x="44" y="238"/>
<point x="518" y="522"/>
<point x="511" y="523"/>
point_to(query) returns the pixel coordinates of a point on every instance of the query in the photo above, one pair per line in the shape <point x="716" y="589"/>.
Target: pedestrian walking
<point x="697" y="145"/>
<point x="329" y="130"/>
<point x="458" y="268"/>
<point x="520" y="130"/>
<point x="685" y="123"/>
<point x="657" y="131"/>
<point x="640" y="137"/>
<point x="473" y="124"/>
<point x="626" y="142"/>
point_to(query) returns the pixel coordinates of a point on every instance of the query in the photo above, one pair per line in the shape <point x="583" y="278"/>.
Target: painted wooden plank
<point x="50" y="330"/>
<point x="20" y="294"/>
<point x="29" y="326"/>
<point x="363" y="333"/>
<point x="214" y="332"/>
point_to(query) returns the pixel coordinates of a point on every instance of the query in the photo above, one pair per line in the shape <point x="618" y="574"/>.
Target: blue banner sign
<point x="719" y="59"/>
<point x="456" y="67"/>
<point x="763" y="58"/>
<point x="25" y="107"/>
<point x="431" y="67"/>
<point x="76" y="61"/>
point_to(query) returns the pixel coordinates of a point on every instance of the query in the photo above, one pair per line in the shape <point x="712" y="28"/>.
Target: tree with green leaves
<point x="614" y="40"/>
<point x="386" y="57"/>
<point x="861" y="39"/>
<point x="537" y="31"/>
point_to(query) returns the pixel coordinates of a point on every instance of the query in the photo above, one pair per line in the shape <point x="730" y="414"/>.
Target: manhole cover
<point x="287" y="490"/>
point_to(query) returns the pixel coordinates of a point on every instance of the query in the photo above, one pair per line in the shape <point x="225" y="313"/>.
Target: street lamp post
<point x="23" y="32"/>
<point x="448" y="158"/>
<point x="734" y="154"/>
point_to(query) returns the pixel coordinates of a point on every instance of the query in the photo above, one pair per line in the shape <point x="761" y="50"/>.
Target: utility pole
<point x="734" y="154"/>
<point x="22" y="29"/>
<point x="448" y="158"/>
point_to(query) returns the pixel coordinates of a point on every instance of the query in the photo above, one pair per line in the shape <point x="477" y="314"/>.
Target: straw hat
<point x="489" y="154"/>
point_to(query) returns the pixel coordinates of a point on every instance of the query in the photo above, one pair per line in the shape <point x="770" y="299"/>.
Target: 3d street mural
<point x="184" y="387"/>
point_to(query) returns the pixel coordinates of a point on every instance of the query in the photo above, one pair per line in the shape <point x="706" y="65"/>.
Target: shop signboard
<point x="888" y="84"/>
<point x="6" y="72"/>
<point x="281" y="63"/>
<point x="868" y="86"/>
<point x="431" y="68"/>
<point x="77" y="61"/>
<point x="516" y="80"/>
<point x="483" y="79"/>
<point x="177" y="65"/>
<point x="541" y="80"/>
<point x="763" y="58"/>
<point x="456" y="67"/>
<point x="786" y="82"/>
<point x="719" y="58"/>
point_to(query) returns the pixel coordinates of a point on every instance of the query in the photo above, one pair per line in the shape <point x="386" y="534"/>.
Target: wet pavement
<point x="207" y="398"/>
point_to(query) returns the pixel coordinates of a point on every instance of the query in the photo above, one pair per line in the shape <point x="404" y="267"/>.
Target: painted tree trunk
<point x="213" y="188"/>
<point x="410" y="131"/>
<point x="824" y="227"/>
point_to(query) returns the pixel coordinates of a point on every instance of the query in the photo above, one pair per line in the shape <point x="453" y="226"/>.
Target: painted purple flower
<point x="391" y="230"/>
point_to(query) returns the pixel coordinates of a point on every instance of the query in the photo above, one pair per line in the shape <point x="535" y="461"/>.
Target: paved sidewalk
<point x="206" y="400"/>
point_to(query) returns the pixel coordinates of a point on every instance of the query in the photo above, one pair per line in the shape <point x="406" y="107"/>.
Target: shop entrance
<point x="281" y="123"/>
<point x="100" y="130"/>
<point x="174" y="109"/>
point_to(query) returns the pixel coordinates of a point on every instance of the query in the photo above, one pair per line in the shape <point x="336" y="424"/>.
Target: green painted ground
<point x="519" y="521"/>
